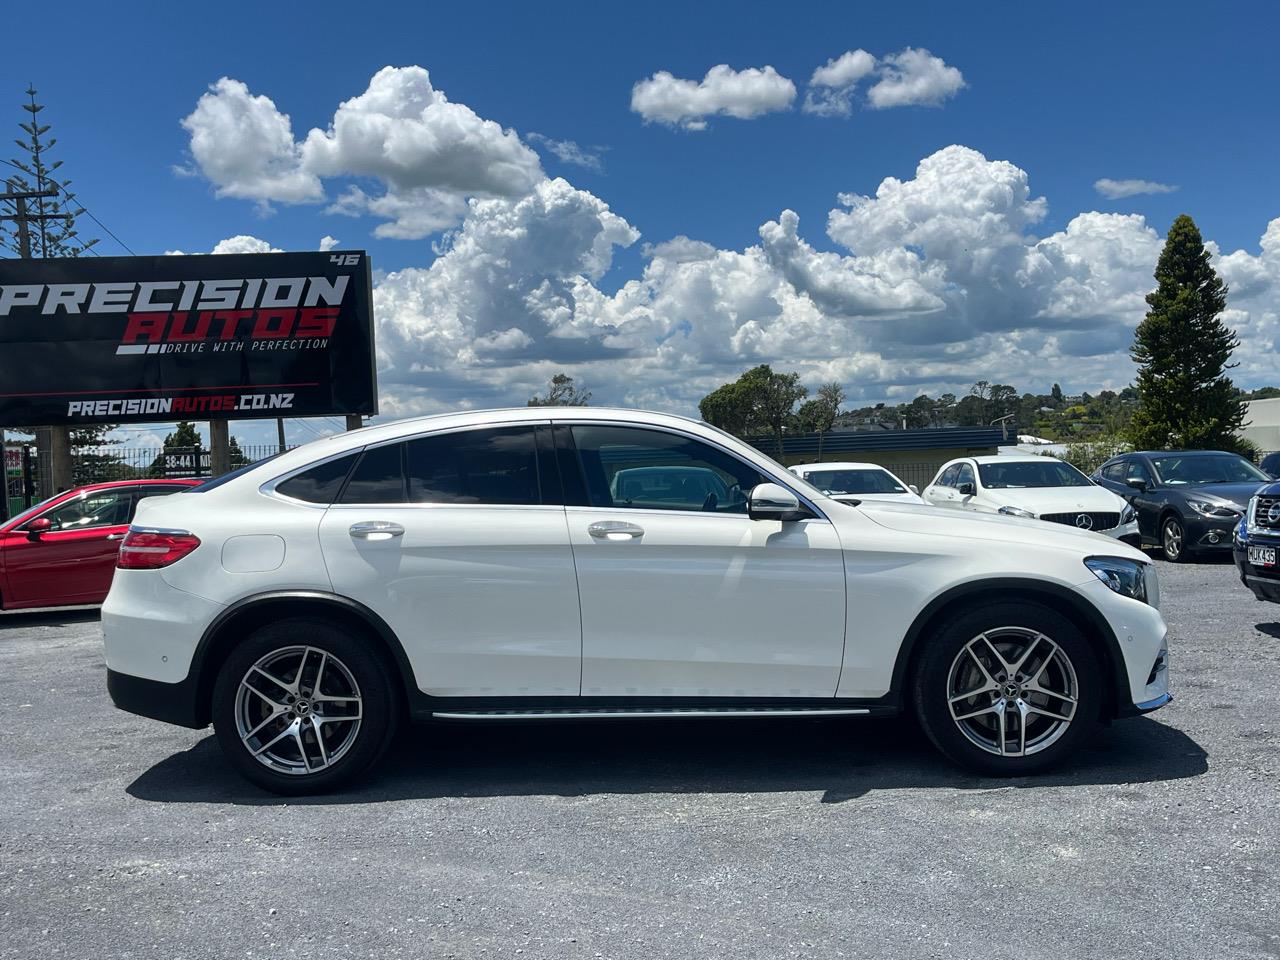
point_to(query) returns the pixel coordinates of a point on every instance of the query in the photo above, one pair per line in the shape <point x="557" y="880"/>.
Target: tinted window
<point x="652" y="470"/>
<point x="965" y="475"/>
<point x="103" y="508"/>
<point x="1138" y="471"/>
<point x="1045" y="472"/>
<point x="948" y="478"/>
<point x="378" y="477"/>
<point x="854" y="481"/>
<point x="319" y="484"/>
<point x="473" y="466"/>
<point x="1271" y="463"/>
<point x="1195" y="470"/>
<point x="1116" y="471"/>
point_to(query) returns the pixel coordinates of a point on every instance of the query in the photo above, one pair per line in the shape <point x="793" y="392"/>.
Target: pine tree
<point x="185" y="446"/>
<point x="55" y="237"/>
<point x="1183" y="351"/>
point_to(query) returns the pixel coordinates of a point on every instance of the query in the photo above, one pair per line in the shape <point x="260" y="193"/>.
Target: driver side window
<point x="642" y="469"/>
<point x="1139" y="472"/>
<point x="964" y="476"/>
<point x="948" y="478"/>
<point x="106" y="508"/>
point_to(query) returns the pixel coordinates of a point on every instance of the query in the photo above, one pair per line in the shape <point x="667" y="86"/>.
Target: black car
<point x="1187" y="500"/>
<point x="1257" y="544"/>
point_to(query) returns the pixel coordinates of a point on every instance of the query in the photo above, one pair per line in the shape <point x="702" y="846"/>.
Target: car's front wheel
<point x="1008" y="689"/>
<point x="1173" y="539"/>
<point x="302" y="707"/>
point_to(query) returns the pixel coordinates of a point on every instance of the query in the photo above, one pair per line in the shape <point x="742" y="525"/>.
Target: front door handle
<point x="376" y="530"/>
<point x="115" y="536"/>
<point x="615" y="530"/>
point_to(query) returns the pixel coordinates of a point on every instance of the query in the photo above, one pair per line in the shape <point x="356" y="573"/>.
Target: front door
<point x="447" y="538"/>
<point x="75" y="559"/>
<point x="682" y="594"/>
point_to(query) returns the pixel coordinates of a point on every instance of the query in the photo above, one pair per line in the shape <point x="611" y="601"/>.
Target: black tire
<point x="357" y="661"/>
<point x="1173" y="539"/>
<point x="946" y="648"/>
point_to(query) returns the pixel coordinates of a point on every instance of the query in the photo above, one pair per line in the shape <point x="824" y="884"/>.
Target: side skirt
<point x="458" y="709"/>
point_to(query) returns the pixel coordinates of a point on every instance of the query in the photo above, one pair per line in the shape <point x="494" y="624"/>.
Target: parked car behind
<point x="857" y="481"/>
<point x="63" y="551"/>
<point x="1035" y="487"/>
<point x="1270" y="465"/>
<point x="490" y="566"/>
<point x="1257" y="544"/>
<point x="1187" y="501"/>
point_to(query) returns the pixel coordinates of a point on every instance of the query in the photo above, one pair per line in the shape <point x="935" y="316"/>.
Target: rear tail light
<point x="146" y="549"/>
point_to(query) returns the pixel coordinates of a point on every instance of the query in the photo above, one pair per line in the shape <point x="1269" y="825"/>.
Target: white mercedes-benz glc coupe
<point x="541" y="564"/>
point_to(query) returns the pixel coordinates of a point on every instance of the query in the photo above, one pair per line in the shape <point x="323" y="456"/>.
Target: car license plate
<point x="1262" y="556"/>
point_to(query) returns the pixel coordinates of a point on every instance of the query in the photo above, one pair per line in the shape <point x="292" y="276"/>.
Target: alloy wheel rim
<point x="1012" y="691"/>
<point x="298" y="710"/>
<point x="1172" y="540"/>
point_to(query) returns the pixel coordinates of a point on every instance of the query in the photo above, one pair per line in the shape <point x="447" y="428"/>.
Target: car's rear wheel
<point x="1173" y="539"/>
<point x="1008" y="689"/>
<point x="303" y="707"/>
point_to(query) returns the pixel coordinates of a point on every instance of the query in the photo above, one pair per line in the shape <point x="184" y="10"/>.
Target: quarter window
<point x="631" y="467"/>
<point x="378" y="477"/>
<point x="318" y="484"/>
<point x="498" y="465"/>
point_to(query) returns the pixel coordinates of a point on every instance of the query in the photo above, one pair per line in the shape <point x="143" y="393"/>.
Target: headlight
<point x="1128" y="515"/>
<point x="1214" y="511"/>
<point x="1016" y="512"/>
<point x="1126" y="577"/>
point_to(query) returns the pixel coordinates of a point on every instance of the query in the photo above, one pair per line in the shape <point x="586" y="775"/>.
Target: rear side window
<point x="498" y="465"/>
<point x="378" y="477"/>
<point x="319" y="484"/>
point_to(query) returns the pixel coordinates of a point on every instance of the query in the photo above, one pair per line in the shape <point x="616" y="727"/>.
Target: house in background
<point x="1262" y="424"/>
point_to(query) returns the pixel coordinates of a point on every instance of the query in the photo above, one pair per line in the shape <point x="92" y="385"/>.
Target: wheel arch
<point x="244" y="616"/>
<point x="1092" y="625"/>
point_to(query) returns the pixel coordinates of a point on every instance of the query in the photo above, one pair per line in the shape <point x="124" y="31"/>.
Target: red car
<point x="63" y="551"/>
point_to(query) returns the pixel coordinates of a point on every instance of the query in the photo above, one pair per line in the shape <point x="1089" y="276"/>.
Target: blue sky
<point x="1181" y="95"/>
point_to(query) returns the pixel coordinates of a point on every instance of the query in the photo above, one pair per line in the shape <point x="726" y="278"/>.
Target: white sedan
<point x="571" y="563"/>
<point x="1035" y="487"/>
<point x="857" y="481"/>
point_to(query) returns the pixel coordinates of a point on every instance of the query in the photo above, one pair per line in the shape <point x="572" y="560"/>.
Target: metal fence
<point x="24" y="471"/>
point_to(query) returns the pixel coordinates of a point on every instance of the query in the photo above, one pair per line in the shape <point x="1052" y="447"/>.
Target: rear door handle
<point x="376" y="530"/>
<point x="615" y="530"/>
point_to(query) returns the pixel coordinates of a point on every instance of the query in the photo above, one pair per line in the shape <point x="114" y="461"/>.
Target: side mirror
<point x="914" y="489"/>
<point x="1137" y="483"/>
<point x="37" y="528"/>
<point x="966" y="489"/>
<point x="772" y="502"/>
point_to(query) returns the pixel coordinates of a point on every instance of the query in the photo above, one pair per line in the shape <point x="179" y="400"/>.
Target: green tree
<point x="1183" y="351"/>
<point x="237" y="455"/>
<point x="561" y="393"/>
<point x="759" y="401"/>
<point x="824" y="410"/>
<point x="56" y="236"/>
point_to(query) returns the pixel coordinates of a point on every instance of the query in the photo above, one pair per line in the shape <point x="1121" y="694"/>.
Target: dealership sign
<point x="230" y="337"/>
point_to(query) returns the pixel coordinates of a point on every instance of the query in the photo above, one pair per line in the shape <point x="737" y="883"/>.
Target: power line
<point x="75" y="199"/>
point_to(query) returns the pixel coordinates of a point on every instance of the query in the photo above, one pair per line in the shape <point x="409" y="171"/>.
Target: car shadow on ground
<point x="55" y="617"/>
<point x="843" y="759"/>
<point x="1270" y="629"/>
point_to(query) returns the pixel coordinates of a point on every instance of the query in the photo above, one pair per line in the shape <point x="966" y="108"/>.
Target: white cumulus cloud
<point x="1117" y="189"/>
<point x="914" y="77"/>
<point x="744" y="94"/>
<point x="831" y="87"/>
<point x="329" y="243"/>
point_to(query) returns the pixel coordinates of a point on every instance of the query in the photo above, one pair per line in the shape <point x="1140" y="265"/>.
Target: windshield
<point x="1188" y="471"/>
<point x="836" y="482"/>
<point x="1031" y="473"/>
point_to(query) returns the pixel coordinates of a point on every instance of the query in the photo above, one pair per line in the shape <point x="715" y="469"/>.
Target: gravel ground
<point x="120" y="837"/>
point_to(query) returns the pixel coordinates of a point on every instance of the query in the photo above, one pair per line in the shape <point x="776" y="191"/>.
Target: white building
<point x="1262" y="424"/>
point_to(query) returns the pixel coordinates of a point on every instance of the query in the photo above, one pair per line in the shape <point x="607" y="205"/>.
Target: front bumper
<point x="1203" y="533"/>
<point x="1263" y="582"/>
<point x="1140" y="634"/>
<point x="1126" y="533"/>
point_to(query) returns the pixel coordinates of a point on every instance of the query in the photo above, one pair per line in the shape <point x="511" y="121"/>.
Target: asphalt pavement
<point x="122" y="837"/>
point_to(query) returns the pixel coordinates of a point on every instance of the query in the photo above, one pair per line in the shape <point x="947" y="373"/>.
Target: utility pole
<point x="54" y="443"/>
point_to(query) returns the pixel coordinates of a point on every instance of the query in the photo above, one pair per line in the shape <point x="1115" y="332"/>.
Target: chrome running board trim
<point x="645" y="712"/>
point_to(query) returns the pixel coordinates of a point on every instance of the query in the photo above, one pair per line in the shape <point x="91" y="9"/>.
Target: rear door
<point x="75" y="560"/>
<point x="450" y="539"/>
